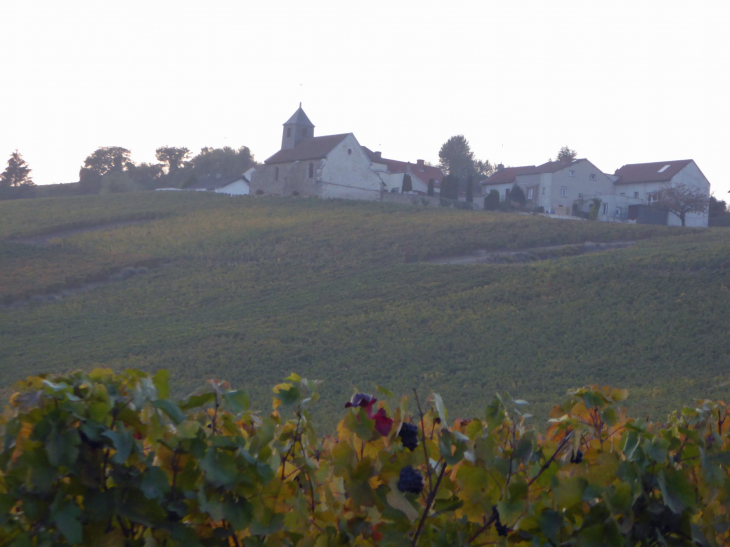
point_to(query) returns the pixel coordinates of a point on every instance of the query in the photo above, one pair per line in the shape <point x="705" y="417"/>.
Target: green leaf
<point x="122" y="442"/>
<point x="677" y="492"/>
<point x="619" y="498"/>
<point x="631" y="443"/>
<point x="523" y="449"/>
<point x="161" y="380"/>
<point x="62" y="448"/>
<point x="220" y="467"/>
<point x="569" y="492"/>
<point x="66" y="518"/>
<point x="154" y="483"/>
<point x="446" y="442"/>
<point x="288" y="394"/>
<point x="238" y="512"/>
<point x="550" y="523"/>
<point x="398" y="501"/>
<point x="440" y="408"/>
<point x="171" y="409"/>
<point x="360" y="424"/>
<point x="384" y="391"/>
<point x="196" y="401"/>
<point x="237" y="401"/>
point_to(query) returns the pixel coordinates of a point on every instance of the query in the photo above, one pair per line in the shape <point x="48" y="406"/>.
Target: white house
<point x="332" y="166"/>
<point x="571" y="188"/>
<point x="237" y="185"/>
<point x="555" y="187"/>
<point x="644" y="181"/>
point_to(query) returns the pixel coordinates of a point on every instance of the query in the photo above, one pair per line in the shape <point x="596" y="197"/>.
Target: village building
<point x="334" y="166"/>
<point x="572" y="188"/>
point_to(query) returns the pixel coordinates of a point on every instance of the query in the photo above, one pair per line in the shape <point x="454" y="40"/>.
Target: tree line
<point x="110" y="169"/>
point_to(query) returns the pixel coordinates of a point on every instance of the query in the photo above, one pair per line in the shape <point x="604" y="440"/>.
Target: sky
<point x="618" y="81"/>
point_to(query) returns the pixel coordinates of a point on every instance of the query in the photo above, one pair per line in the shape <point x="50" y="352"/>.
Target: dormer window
<point x="288" y="131"/>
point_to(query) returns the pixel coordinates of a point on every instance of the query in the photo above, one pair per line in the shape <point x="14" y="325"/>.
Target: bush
<point x="107" y="459"/>
<point x="491" y="202"/>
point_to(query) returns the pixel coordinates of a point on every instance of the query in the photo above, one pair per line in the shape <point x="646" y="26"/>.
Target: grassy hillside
<point x="251" y="289"/>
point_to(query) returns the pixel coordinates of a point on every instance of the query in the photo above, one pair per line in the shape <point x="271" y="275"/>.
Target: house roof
<point x="507" y="175"/>
<point x="313" y="148"/>
<point x="510" y="174"/>
<point x="650" y="172"/>
<point x="299" y="118"/>
<point x="211" y="183"/>
<point x="423" y="172"/>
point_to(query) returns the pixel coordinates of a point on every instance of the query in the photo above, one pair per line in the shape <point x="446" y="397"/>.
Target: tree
<point x="483" y="169"/>
<point x="431" y="185"/>
<point x="450" y="187"/>
<point x="491" y="202"/>
<point x="717" y="207"/>
<point x="566" y="155"/>
<point x="407" y="184"/>
<point x="456" y="157"/>
<point x="517" y="196"/>
<point x="173" y="157"/>
<point x="682" y="200"/>
<point x="470" y="189"/>
<point x="17" y="173"/>
<point x="102" y="161"/>
<point x="146" y="175"/>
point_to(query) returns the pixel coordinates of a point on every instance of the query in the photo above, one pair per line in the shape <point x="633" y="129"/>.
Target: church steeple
<point x="296" y="129"/>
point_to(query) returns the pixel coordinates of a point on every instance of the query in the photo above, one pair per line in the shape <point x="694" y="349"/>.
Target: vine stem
<point x="492" y="519"/>
<point x="552" y="458"/>
<point x="431" y="498"/>
<point x="423" y="441"/>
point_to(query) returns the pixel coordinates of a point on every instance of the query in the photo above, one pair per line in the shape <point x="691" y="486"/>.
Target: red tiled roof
<point x="423" y="172"/>
<point x="510" y="174"/>
<point x="312" y="148"/>
<point x="507" y="175"/>
<point x="649" y="172"/>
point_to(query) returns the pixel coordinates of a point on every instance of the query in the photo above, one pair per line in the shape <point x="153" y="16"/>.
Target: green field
<point x="251" y="289"/>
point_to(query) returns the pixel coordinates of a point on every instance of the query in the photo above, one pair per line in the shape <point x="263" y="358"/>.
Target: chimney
<point x="420" y="163"/>
<point x="500" y="167"/>
<point x="378" y="155"/>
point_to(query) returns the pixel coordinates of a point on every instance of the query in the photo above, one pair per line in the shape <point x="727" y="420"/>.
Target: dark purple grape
<point x="409" y="435"/>
<point x="410" y="480"/>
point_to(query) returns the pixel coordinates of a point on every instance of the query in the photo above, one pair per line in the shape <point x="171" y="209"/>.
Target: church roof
<point x="313" y="148"/>
<point x="299" y="118"/>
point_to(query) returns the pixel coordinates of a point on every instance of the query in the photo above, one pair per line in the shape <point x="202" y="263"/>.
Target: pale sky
<point x="618" y="81"/>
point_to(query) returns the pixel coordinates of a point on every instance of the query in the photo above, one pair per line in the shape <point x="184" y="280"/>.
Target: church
<point x="334" y="166"/>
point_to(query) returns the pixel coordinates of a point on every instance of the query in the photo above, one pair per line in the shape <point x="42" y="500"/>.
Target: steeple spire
<point x="296" y="129"/>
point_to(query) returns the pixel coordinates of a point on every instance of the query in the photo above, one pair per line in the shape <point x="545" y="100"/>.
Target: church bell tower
<point x="296" y="129"/>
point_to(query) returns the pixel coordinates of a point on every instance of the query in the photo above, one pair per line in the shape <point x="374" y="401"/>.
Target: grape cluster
<point x="576" y="457"/>
<point x="410" y="480"/>
<point x="409" y="435"/>
<point x="502" y="530"/>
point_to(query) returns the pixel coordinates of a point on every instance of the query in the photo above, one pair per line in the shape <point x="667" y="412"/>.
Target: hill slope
<point x="251" y="289"/>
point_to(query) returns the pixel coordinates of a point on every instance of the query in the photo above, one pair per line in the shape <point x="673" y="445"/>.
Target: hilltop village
<point x="338" y="166"/>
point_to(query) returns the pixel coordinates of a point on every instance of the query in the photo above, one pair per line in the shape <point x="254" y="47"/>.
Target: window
<point x="605" y="208"/>
<point x="618" y="212"/>
<point x="563" y="191"/>
<point x="623" y="193"/>
<point x="664" y="168"/>
<point x="506" y="193"/>
<point x="276" y="174"/>
<point x="652" y="197"/>
<point x="543" y="190"/>
<point x="593" y="176"/>
<point x="530" y="192"/>
<point x="349" y="151"/>
<point x="571" y="173"/>
<point x="288" y="131"/>
<point x="304" y="132"/>
<point x="311" y="170"/>
<point x="580" y="195"/>
<point x="636" y="194"/>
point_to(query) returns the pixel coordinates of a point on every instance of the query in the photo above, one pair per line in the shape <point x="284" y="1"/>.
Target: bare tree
<point x="681" y="200"/>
